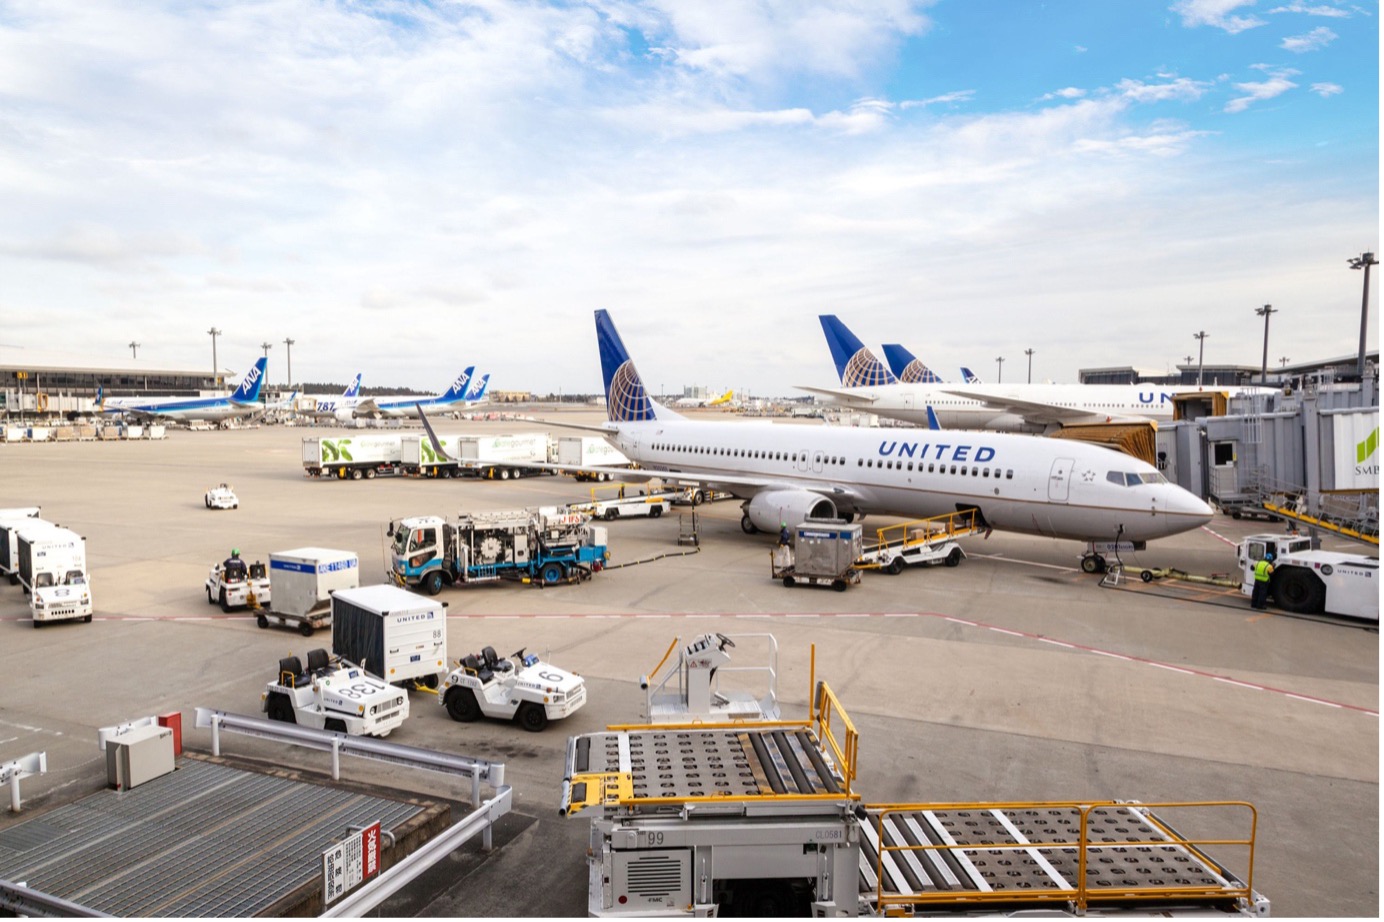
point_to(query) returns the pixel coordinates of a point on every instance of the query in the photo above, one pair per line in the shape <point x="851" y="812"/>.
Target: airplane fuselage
<point x="181" y="409"/>
<point x="1060" y="489"/>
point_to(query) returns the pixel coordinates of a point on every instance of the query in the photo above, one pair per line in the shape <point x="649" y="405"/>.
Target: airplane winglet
<point x="932" y="421"/>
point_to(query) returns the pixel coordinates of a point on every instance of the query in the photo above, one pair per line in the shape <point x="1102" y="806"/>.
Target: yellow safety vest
<point x="1262" y="569"/>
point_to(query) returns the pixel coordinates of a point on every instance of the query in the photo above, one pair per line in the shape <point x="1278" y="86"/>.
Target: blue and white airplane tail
<point x="479" y="391"/>
<point x="970" y="377"/>
<point x="855" y="365"/>
<point x="907" y="368"/>
<point x="627" y="401"/>
<point x="249" y="389"/>
<point x="458" y="389"/>
<point x="352" y="389"/>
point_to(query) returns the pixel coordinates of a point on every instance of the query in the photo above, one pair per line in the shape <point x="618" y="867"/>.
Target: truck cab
<point x="1308" y="581"/>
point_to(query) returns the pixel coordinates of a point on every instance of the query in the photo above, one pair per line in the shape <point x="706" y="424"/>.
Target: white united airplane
<point x="786" y="473"/>
<point x="866" y="384"/>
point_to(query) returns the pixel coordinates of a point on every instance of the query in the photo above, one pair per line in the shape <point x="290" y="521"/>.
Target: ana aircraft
<point x="785" y="473"/>
<point x="340" y="407"/>
<point x="243" y="401"/>
<point x="1009" y="407"/>
<point x="454" y="398"/>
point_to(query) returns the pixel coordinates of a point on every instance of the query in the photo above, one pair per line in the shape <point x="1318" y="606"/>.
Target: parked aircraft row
<point x="244" y="401"/>
<point x="690" y="402"/>
<point x="866" y="384"/>
<point x="787" y="473"/>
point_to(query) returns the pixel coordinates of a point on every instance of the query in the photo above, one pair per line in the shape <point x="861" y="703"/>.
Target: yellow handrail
<point x="827" y="708"/>
<point x="952" y="524"/>
<point x="1081" y="896"/>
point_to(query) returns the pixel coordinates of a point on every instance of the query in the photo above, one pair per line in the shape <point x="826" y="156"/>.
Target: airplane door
<point x="1060" y="480"/>
<point x="817" y="461"/>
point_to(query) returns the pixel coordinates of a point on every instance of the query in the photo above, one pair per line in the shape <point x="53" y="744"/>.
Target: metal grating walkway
<point x="207" y="840"/>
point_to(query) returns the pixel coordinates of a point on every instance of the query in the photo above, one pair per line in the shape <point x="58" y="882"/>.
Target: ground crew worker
<point x="233" y="569"/>
<point x="784" y="538"/>
<point x="1263" y="569"/>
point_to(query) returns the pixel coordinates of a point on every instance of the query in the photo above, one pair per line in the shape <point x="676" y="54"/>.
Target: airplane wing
<point x="847" y="397"/>
<point x="367" y="407"/>
<point x="1035" y="411"/>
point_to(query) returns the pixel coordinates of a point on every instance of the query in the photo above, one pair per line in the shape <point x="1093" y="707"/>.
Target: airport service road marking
<point x="1081" y="648"/>
<point x="1216" y="534"/>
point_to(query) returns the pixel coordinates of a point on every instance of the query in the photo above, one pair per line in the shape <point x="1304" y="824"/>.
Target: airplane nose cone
<point x="1187" y="510"/>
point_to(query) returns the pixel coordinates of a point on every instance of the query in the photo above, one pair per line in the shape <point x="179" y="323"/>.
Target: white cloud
<point x="944" y="99"/>
<point x="1334" y="12"/>
<point x="1277" y="84"/>
<point x="1181" y="89"/>
<point x="1327" y="89"/>
<point x="1068" y="92"/>
<point x="1217" y="13"/>
<point x="1315" y="40"/>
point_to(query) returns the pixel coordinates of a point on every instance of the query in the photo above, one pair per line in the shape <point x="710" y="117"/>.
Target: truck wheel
<point x="225" y="605"/>
<point x="504" y="473"/>
<point x="747" y="526"/>
<point x="611" y="514"/>
<point x="210" y="599"/>
<point x="335" y="725"/>
<point x="954" y="558"/>
<point x="356" y="474"/>
<point x="655" y="510"/>
<point x="839" y="585"/>
<point x="698" y="498"/>
<point x="37" y="624"/>
<point x="551" y="573"/>
<point x="280" y="709"/>
<point x="1298" y="591"/>
<point x="895" y="566"/>
<point x="461" y="705"/>
<point x="261" y="621"/>
<point x="432" y="583"/>
<point x="532" y="717"/>
<point x="370" y="473"/>
<point x="305" y="628"/>
<point x="788" y="581"/>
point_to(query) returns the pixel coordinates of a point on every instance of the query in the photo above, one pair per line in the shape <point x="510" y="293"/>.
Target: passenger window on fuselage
<point x="1009" y="474"/>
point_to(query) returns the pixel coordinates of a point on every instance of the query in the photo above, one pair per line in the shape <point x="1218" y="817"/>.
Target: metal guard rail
<point x="1080" y="897"/>
<point x="826" y="710"/>
<point x="954" y="524"/>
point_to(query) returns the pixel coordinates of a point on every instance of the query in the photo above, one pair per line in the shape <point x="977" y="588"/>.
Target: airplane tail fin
<point x="249" y="390"/>
<point x="458" y="389"/>
<point x="353" y="389"/>
<point x="479" y="390"/>
<point x="970" y="377"/>
<point x="906" y="366"/>
<point x="856" y="365"/>
<point x="627" y="401"/>
<point x="100" y="398"/>
<point x="932" y="421"/>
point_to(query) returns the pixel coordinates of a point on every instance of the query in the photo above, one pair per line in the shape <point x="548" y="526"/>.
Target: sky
<point x="407" y="188"/>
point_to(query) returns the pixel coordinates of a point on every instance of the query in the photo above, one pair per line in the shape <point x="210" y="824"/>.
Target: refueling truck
<point x="544" y="545"/>
<point x="1307" y="581"/>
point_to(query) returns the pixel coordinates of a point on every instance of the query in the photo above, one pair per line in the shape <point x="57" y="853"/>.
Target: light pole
<point x="289" y="344"/>
<point x="1363" y="261"/>
<point x="1029" y="353"/>
<point x="1266" y="311"/>
<point x="1283" y="360"/>
<point x="134" y="349"/>
<point x="214" y="333"/>
<point x="1201" y="353"/>
<point x="999" y="365"/>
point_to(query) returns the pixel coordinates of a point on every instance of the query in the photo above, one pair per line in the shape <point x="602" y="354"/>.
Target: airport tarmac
<point x="1013" y="677"/>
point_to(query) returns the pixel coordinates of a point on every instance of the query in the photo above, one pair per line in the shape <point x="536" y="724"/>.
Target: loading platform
<point x="921" y="541"/>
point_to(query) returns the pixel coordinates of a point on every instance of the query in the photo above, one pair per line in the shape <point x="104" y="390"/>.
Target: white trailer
<point x="501" y="457"/>
<point x="333" y="694"/>
<point x="52" y="570"/>
<point x="11" y="520"/>
<point x="395" y="634"/>
<point x="1305" y="581"/>
<point x="588" y="451"/>
<point x="418" y="456"/>
<point x="301" y="583"/>
<point x="353" y="457"/>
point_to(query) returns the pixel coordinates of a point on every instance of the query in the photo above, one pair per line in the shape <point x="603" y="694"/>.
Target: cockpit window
<point x="1127" y="479"/>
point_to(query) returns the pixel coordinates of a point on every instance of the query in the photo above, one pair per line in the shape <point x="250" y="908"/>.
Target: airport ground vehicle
<point x="621" y="506"/>
<point x="301" y="583"/>
<point x="221" y="496"/>
<point x="920" y="543"/>
<point x="53" y="571"/>
<point x="517" y="687"/>
<point x="545" y="544"/>
<point x="391" y="633"/>
<point x="333" y="694"/>
<point x="11" y="520"/>
<point x="355" y="457"/>
<point x="762" y="818"/>
<point x="824" y="552"/>
<point x="246" y="586"/>
<point x="1305" y="581"/>
<point x="588" y="451"/>
<point x="501" y="457"/>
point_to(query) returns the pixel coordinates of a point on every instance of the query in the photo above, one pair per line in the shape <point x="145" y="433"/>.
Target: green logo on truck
<point x="334" y="450"/>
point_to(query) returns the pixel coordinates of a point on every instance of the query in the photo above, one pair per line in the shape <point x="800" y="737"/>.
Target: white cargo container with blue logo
<point x="301" y="583"/>
<point x="395" y="634"/>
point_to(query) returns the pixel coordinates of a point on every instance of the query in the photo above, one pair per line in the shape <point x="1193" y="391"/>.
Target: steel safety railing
<point x="917" y="532"/>
<point x="1221" y="883"/>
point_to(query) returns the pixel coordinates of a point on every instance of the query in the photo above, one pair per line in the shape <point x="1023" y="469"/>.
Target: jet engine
<point x="771" y="508"/>
<point x="344" y="414"/>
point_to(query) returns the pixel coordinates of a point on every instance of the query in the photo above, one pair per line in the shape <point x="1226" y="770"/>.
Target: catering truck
<point x="391" y="633"/>
<point x="583" y="451"/>
<point x="11" y="520"/>
<point x="545" y="544"/>
<point x="53" y="571"/>
<point x="353" y="457"/>
<point x="763" y="818"/>
<point x="501" y="457"/>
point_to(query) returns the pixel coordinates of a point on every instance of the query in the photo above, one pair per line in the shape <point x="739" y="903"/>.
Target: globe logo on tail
<point x="626" y="399"/>
<point x="864" y="370"/>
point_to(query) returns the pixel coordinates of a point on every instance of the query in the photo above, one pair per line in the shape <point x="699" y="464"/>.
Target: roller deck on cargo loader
<point x="761" y="818"/>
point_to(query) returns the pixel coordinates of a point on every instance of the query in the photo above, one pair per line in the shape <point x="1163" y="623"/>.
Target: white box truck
<point x="52" y="570"/>
<point x="392" y="633"/>
<point x="301" y="583"/>
<point x="352" y="457"/>
<point x="11" y="520"/>
<point x="589" y="451"/>
<point x="501" y="457"/>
